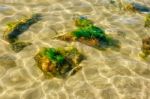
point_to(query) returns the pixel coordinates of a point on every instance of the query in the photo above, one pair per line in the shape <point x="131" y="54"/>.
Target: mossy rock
<point x="15" y="29"/>
<point x="59" y="62"/>
<point x="89" y="34"/>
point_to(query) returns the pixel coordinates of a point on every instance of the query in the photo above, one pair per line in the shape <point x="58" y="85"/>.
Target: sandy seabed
<point x="110" y="74"/>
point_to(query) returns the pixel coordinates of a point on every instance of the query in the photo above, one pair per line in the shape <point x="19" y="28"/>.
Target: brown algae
<point x="59" y="62"/>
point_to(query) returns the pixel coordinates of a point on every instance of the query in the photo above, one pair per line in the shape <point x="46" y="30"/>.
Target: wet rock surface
<point x="17" y="28"/>
<point x="89" y="34"/>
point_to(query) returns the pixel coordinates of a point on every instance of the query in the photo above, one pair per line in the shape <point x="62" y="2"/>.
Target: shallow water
<point x="110" y="74"/>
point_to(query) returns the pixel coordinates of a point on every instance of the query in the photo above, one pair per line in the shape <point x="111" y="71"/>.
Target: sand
<point x="110" y="74"/>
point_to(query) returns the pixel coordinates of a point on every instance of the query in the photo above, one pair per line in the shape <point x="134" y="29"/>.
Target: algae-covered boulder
<point x="15" y="29"/>
<point x="59" y="62"/>
<point x="145" y="47"/>
<point x="89" y="34"/>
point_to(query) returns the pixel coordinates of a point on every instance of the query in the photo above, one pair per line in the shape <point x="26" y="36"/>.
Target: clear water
<point x="110" y="74"/>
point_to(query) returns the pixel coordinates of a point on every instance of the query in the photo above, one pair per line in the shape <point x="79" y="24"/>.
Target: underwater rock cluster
<point x="17" y="28"/>
<point x="59" y="62"/>
<point x="63" y="62"/>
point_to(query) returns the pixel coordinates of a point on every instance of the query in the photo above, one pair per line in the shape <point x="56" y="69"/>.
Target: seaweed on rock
<point x="89" y="34"/>
<point x="17" y="28"/>
<point x="59" y="62"/>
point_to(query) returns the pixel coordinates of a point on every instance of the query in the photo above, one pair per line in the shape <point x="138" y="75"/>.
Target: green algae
<point x="54" y="55"/>
<point x="14" y="29"/>
<point x="134" y="7"/>
<point x="89" y="34"/>
<point x="59" y="62"/>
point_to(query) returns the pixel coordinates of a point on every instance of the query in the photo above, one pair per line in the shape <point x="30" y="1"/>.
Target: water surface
<point x="110" y="74"/>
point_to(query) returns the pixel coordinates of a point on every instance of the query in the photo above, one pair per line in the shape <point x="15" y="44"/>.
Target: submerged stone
<point x="18" y="46"/>
<point x="17" y="28"/>
<point x="141" y="8"/>
<point x="88" y="34"/>
<point x="59" y="62"/>
<point x="146" y="47"/>
<point x="136" y="7"/>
